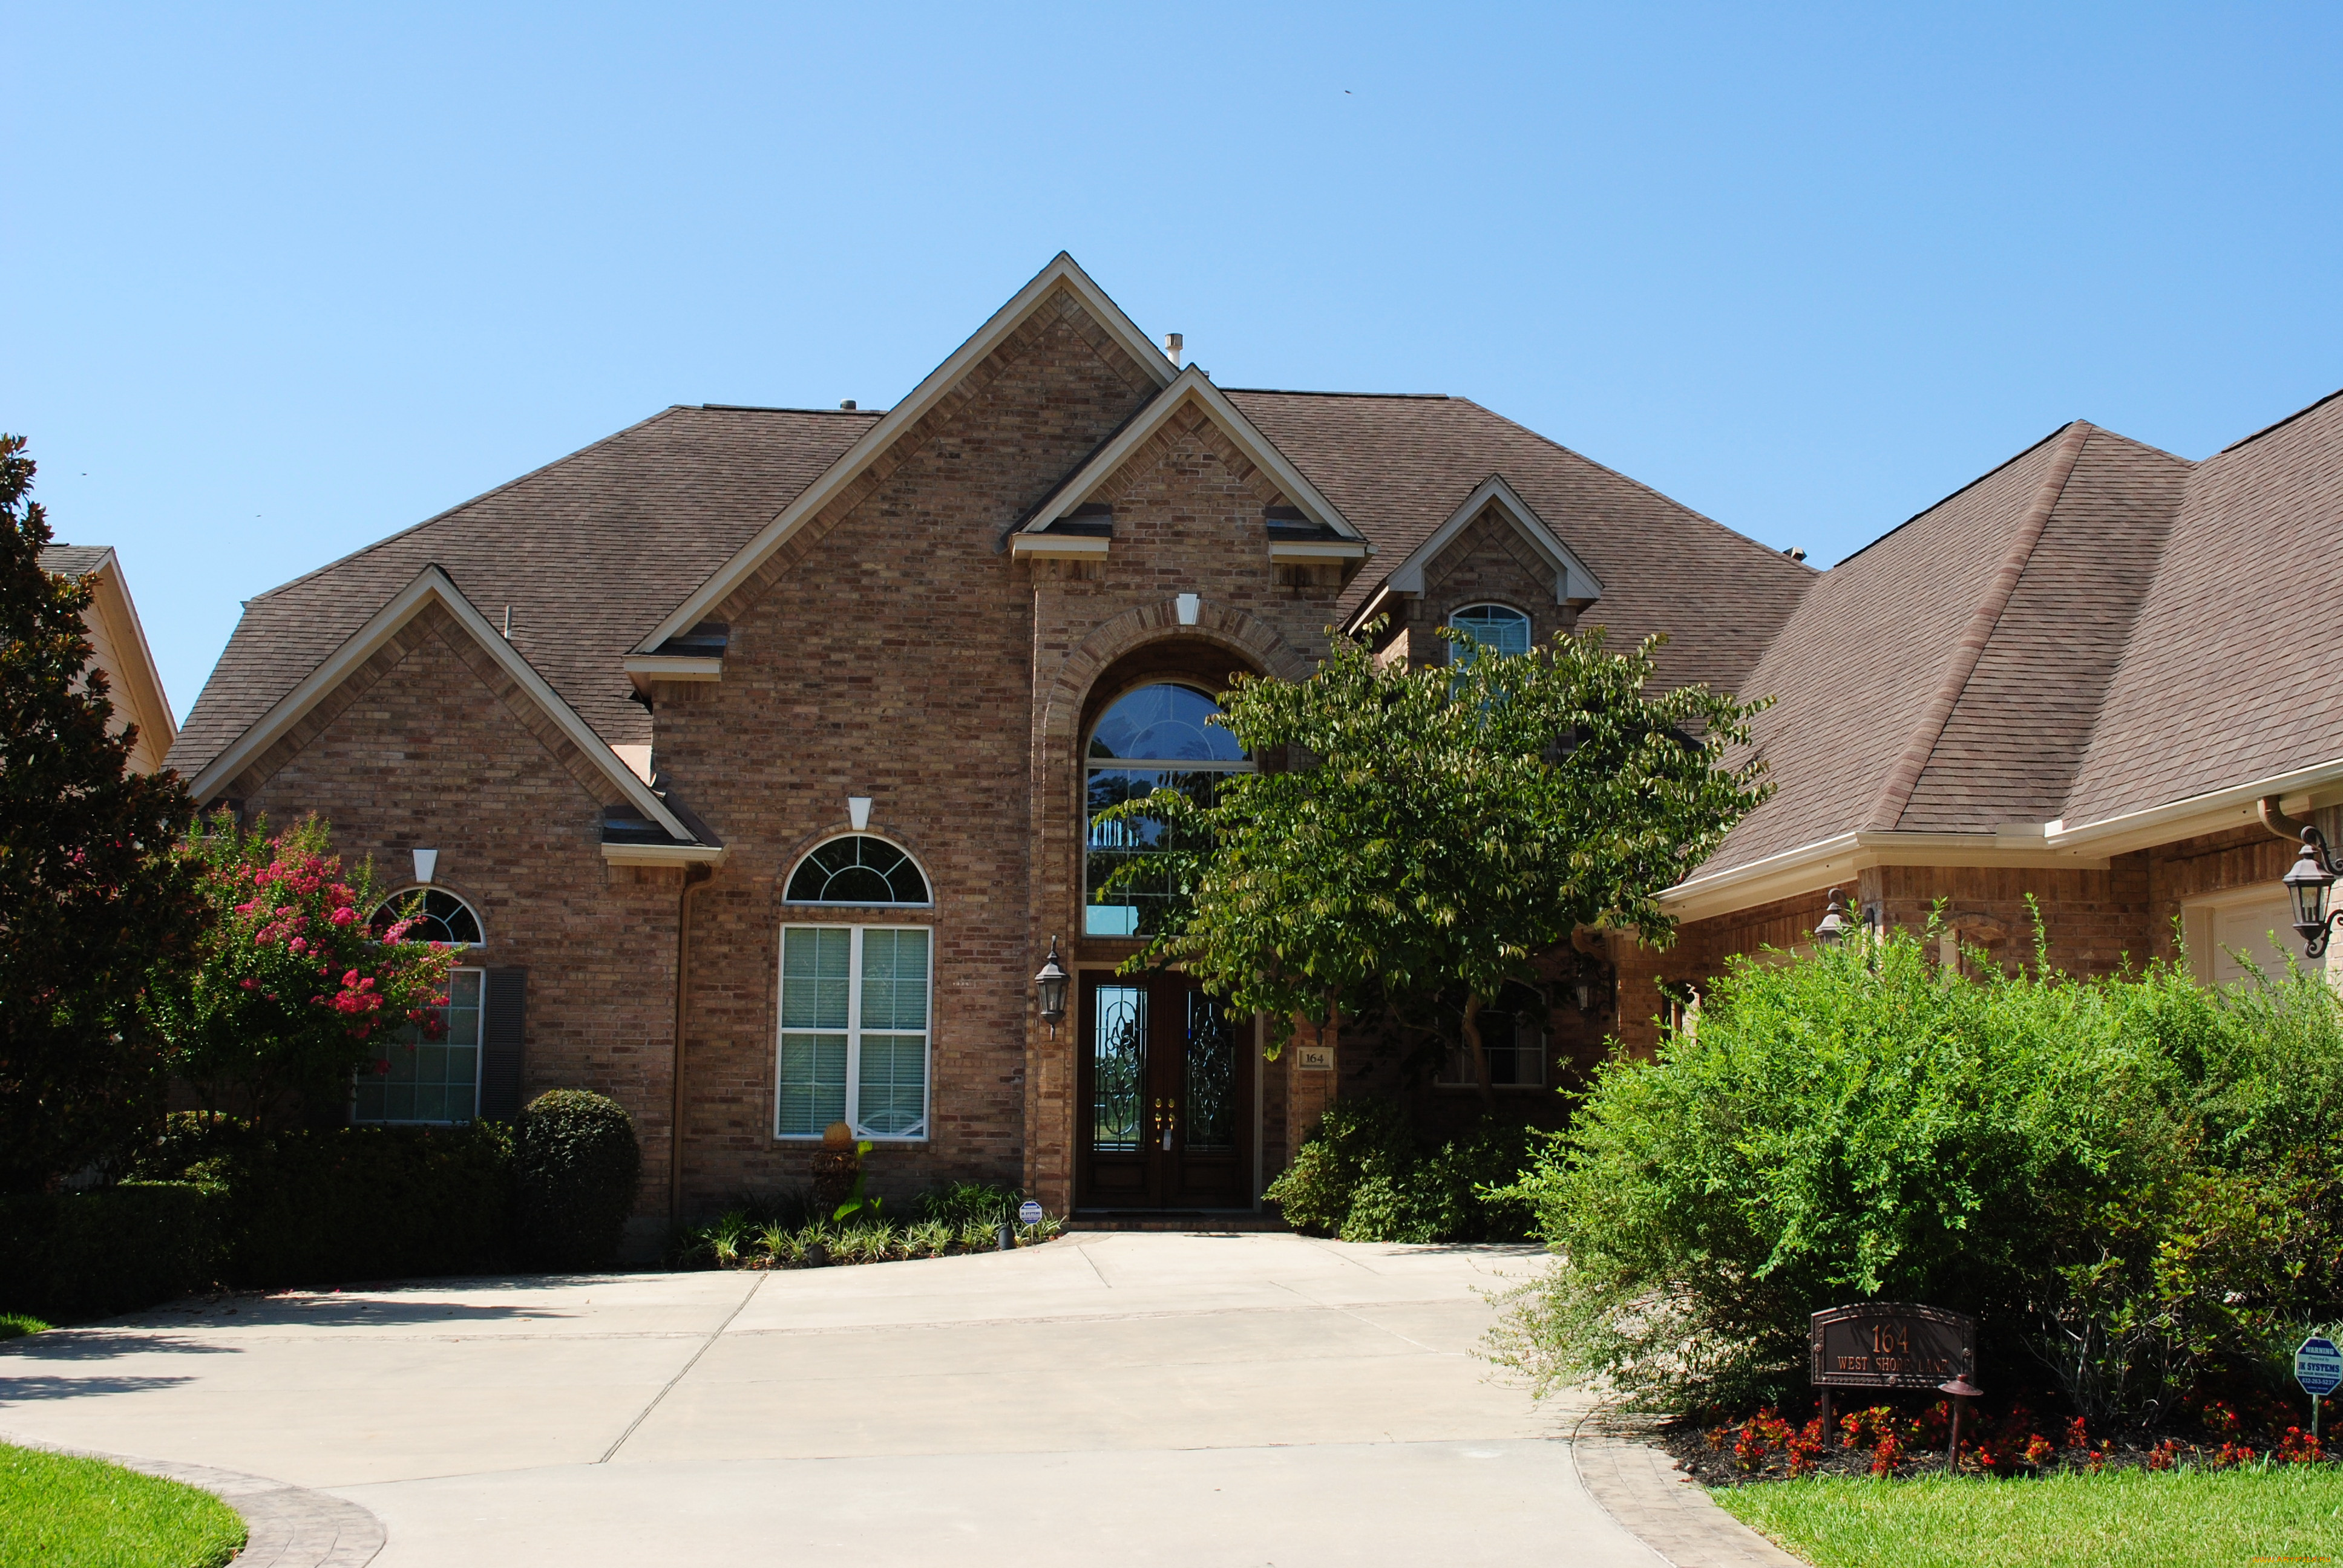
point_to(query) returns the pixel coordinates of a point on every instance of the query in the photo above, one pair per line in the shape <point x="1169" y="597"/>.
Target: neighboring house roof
<point x="590" y="552"/>
<point x="73" y="560"/>
<point x="118" y="647"/>
<point x="1400" y="467"/>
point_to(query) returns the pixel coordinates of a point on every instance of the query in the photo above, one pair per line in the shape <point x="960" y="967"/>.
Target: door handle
<point x="1167" y="1117"/>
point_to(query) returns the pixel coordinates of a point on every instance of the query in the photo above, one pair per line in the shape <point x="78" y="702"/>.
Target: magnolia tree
<point x="1440" y="830"/>
<point x="291" y="990"/>
<point x="91" y="900"/>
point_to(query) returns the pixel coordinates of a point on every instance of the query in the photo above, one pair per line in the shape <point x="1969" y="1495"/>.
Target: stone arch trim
<point x="1247" y="635"/>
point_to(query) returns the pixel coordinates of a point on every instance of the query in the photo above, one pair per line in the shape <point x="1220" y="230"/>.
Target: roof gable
<point x="432" y="586"/>
<point x="1191" y="387"/>
<point x="1061" y="274"/>
<point x="1573" y="581"/>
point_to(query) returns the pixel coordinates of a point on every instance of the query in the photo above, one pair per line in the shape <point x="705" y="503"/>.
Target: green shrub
<point x="309" y="1207"/>
<point x="1363" y="1175"/>
<point x="963" y="1205"/>
<point x="2103" y="1171"/>
<point x="16" y="1325"/>
<point x="68" y="1257"/>
<point x="577" y="1168"/>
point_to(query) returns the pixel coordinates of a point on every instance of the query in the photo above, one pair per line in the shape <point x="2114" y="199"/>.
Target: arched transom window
<point x="1498" y="628"/>
<point x="444" y="917"/>
<point x="1159" y="737"/>
<point x="860" y="870"/>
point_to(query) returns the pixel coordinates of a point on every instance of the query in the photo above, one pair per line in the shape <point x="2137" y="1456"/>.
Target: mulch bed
<point x="1881" y="1442"/>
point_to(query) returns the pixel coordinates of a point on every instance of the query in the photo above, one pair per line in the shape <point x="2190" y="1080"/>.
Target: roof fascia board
<point x="128" y="635"/>
<point x="2085" y="846"/>
<point x="431" y="584"/>
<point x="1835" y="858"/>
<point x="1570" y="574"/>
<point x="1061" y="273"/>
<point x="1054" y="546"/>
<point x="1192" y="385"/>
<point x="2212" y="812"/>
<point x="645" y="667"/>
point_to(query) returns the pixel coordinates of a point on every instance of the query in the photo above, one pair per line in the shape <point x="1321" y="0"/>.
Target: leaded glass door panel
<point x="1165" y="1111"/>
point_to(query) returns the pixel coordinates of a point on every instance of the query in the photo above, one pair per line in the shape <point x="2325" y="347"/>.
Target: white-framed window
<point x="1159" y="737"/>
<point x="432" y="1074"/>
<point x="444" y="917"/>
<point x="1516" y="1046"/>
<point x="1500" y="628"/>
<point x="855" y="1032"/>
<point x="859" y="870"/>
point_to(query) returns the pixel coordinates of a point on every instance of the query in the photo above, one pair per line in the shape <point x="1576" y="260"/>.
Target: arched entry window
<point x="1498" y="628"/>
<point x="1157" y="737"/>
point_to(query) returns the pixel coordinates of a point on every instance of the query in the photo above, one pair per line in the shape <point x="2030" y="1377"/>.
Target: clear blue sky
<point x="278" y="283"/>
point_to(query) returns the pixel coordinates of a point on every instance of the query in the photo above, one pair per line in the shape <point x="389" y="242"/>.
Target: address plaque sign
<point x="1892" y="1344"/>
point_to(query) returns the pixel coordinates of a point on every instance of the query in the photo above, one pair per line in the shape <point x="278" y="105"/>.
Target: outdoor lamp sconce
<point x="1050" y="987"/>
<point x="1833" y="928"/>
<point x="2307" y="885"/>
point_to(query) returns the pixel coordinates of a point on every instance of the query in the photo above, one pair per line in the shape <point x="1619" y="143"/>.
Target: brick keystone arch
<point x="1256" y="640"/>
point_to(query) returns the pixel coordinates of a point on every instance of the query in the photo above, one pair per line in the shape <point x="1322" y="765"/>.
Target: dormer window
<point x="1500" y="628"/>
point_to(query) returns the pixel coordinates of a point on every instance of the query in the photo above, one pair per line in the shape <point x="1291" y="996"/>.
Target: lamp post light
<point x="1833" y="930"/>
<point x="1050" y="988"/>
<point x="2307" y="885"/>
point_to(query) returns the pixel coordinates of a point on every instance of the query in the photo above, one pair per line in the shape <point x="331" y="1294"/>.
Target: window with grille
<point x="428" y="1072"/>
<point x="855" y="1032"/>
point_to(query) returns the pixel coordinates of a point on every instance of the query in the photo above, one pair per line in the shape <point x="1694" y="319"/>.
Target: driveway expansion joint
<point x="285" y="1526"/>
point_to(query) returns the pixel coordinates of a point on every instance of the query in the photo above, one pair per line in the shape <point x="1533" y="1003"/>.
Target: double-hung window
<point x="855" y="1031"/>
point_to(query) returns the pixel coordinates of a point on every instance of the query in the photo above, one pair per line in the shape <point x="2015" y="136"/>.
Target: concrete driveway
<point x="1125" y="1399"/>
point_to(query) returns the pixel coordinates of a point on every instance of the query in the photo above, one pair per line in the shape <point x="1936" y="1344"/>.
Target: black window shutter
<point x="503" y="1020"/>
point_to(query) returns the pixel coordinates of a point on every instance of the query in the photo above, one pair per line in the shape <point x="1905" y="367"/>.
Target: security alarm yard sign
<point x="1891" y="1344"/>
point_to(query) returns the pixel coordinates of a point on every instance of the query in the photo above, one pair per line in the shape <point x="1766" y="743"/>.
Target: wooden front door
<point x="1165" y="1120"/>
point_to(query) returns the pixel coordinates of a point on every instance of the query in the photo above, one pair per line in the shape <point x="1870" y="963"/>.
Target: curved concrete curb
<point x="285" y="1526"/>
<point x="1640" y="1486"/>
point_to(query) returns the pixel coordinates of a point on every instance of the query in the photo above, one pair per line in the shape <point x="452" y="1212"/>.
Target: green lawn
<point x="2128" y="1518"/>
<point x="59" y="1512"/>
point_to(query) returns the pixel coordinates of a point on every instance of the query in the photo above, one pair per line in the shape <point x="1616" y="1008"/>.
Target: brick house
<point x="754" y="751"/>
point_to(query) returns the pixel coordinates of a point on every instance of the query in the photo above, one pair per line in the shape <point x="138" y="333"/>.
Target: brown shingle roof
<point x="2229" y="677"/>
<point x="1399" y="466"/>
<point x="1946" y="678"/>
<point x="591" y="551"/>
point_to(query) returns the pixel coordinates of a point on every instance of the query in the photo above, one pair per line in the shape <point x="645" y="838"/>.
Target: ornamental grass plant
<point x="2132" y="1181"/>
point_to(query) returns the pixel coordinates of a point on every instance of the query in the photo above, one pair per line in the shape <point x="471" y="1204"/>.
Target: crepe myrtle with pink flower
<point x="294" y="989"/>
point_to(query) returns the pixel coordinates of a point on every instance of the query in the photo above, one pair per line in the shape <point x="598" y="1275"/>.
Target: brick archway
<point x="1252" y="638"/>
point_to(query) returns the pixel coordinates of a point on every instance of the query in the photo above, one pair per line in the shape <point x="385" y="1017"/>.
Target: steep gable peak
<point x="1573" y="582"/>
<point x="1190" y="389"/>
<point x="1062" y="276"/>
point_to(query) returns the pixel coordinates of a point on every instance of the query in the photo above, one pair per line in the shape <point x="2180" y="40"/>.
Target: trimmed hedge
<point x="326" y="1207"/>
<point x="577" y="1166"/>
<point x="69" y="1257"/>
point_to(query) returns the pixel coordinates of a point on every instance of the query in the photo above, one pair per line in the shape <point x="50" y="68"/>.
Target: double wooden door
<point x="1164" y="1118"/>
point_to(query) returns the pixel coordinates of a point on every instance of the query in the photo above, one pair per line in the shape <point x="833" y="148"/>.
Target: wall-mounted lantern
<point x="1833" y="928"/>
<point x="1050" y="989"/>
<point x="2309" y="884"/>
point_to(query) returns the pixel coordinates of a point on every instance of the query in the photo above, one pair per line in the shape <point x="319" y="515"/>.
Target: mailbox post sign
<point x="1890" y="1344"/>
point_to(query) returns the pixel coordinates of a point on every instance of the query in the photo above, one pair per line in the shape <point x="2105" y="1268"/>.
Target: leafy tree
<point x="1439" y="831"/>
<point x="290" y="991"/>
<point x="91" y="901"/>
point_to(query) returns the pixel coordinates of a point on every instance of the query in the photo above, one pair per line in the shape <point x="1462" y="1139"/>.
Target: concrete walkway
<point x="1138" y="1398"/>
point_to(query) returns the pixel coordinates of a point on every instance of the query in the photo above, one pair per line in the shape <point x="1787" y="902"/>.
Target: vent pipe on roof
<point x="1172" y="344"/>
<point x="1795" y="552"/>
<point x="847" y="406"/>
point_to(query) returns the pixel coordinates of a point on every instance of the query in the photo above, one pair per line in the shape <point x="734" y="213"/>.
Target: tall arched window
<point x="857" y="869"/>
<point x="430" y="1073"/>
<point x="1498" y="628"/>
<point x="1158" y="736"/>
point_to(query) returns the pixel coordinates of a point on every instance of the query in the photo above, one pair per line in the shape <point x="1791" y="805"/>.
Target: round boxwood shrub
<point x="576" y="1165"/>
